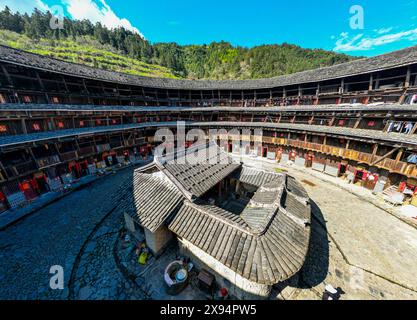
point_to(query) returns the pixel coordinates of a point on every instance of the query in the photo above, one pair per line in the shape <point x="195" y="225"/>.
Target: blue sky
<point x="388" y="25"/>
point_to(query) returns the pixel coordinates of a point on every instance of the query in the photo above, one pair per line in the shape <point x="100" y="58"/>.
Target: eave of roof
<point x="345" y="108"/>
<point x="265" y="256"/>
<point x="394" y="59"/>
<point x="396" y="139"/>
<point x="151" y="200"/>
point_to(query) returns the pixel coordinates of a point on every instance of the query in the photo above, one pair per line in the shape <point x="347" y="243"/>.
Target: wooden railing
<point x="389" y="164"/>
<point x="48" y="161"/>
<point x="103" y="147"/>
<point x="69" y="156"/>
<point x="86" y="151"/>
<point x="21" y="168"/>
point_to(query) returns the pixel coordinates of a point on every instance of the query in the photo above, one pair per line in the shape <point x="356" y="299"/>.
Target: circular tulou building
<point x="61" y="121"/>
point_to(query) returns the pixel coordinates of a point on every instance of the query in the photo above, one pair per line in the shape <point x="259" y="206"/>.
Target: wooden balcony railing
<point x="48" y="161"/>
<point x="86" y="151"/>
<point x="69" y="156"/>
<point x="389" y="164"/>
<point x="103" y="147"/>
<point x="21" y="168"/>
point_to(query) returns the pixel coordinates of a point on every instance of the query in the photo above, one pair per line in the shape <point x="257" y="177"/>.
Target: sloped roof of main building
<point x="267" y="243"/>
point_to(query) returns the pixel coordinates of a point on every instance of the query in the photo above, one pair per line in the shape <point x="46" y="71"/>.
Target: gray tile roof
<point x="359" y="134"/>
<point x="390" y="60"/>
<point x="271" y="110"/>
<point x="151" y="199"/>
<point x="265" y="256"/>
<point x="255" y="177"/>
<point x="50" y="135"/>
<point x="267" y="243"/>
<point x="198" y="176"/>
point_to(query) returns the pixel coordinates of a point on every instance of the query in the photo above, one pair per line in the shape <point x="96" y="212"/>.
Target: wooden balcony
<point x="388" y="164"/>
<point x="103" y="147"/>
<point x="87" y="151"/>
<point x="21" y="168"/>
<point x="48" y="161"/>
<point x="69" y="156"/>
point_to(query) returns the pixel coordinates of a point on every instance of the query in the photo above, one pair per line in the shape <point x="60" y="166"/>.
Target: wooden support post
<point x="42" y="87"/>
<point x="407" y="78"/>
<point x="4" y="171"/>
<point x="385" y="156"/>
<point x="77" y="145"/>
<point x="24" y="128"/>
<point x="371" y="82"/>
<point x="243" y="98"/>
<point x="357" y="123"/>
<point x="85" y="86"/>
<point x="406" y="85"/>
<point x="9" y="79"/>
<point x="374" y="151"/>
<point x="399" y="156"/>
<point x="33" y="157"/>
<point x="413" y="131"/>
<point x="377" y="82"/>
<point x="347" y="145"/>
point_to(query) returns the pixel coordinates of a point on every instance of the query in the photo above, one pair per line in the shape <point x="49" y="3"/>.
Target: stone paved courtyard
<point x="366" y="251"/>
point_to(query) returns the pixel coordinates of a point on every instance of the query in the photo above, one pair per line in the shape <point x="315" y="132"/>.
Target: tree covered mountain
<point x="217" y="60"/>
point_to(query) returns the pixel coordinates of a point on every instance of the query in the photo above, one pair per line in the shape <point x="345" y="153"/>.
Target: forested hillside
<point x="84" y="50"/>
<point x="125" y="51"/>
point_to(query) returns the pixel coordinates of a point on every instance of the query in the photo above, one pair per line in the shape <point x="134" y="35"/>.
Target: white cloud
<point x="383" y="30"/>
<point x="23" y="6"/>
<point x="361" y="42"/>
<point x="97" y="11"/>
<point x="93" y="10"/>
